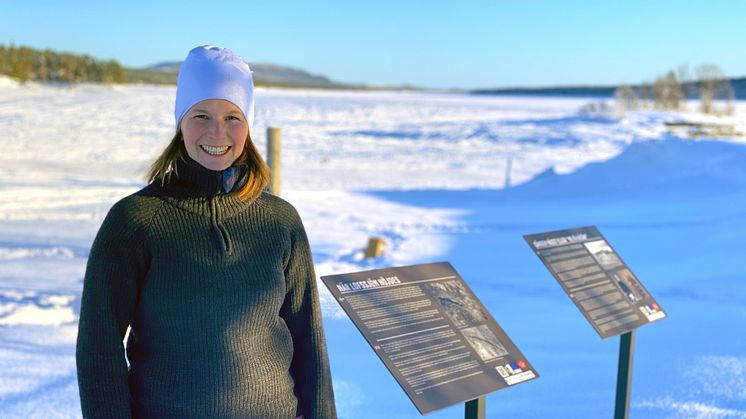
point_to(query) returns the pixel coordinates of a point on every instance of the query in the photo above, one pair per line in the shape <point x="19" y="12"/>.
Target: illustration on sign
<point x="432" y="333"/>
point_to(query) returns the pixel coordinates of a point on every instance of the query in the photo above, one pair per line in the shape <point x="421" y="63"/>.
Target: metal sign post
<point x="604" y="289"/>
<point x="475" y="409"/>
<point x="624" y="375"/>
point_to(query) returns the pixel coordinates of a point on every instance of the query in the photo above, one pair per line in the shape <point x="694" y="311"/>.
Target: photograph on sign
<point x="609" y="295"/>
<point x="432" y="333"/>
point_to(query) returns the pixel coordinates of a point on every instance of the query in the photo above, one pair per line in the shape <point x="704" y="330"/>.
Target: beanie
<point x="211" y="72"/>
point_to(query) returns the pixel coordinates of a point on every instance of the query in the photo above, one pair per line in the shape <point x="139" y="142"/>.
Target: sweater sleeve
<point x="302" y="313"/>
<point x="116" y="262"/>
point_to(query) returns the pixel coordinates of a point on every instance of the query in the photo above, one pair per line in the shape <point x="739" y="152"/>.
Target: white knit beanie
<point x="211" y="72"/>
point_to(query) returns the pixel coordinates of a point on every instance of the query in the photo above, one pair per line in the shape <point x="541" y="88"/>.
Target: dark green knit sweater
<point x="221" y="298"/>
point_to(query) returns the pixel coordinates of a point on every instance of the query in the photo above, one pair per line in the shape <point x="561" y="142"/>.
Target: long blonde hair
<point x="258" y="177"/>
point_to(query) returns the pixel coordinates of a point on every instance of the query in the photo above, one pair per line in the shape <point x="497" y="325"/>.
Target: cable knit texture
<point x="221" y="298"/>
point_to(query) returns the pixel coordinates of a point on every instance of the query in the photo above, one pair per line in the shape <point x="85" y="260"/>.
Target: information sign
<point x="600" y="284"/>
<point x="432" y="333"/>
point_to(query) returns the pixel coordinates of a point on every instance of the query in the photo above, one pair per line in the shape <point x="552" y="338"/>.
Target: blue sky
<point x="442" y="44"/>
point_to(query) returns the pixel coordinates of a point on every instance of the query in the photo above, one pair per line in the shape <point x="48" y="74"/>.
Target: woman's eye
<point x="200" y="116"/>
<point x="233" y="118"/>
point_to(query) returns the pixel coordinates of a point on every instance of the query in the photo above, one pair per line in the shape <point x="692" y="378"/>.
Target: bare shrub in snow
<point x="626" y="99"/>
<point x="714" y="86"/>
<point x="667" y="93"/>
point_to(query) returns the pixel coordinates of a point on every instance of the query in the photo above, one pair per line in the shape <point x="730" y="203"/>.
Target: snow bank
<point x="7" y="82"/>
<point x="651" y="167"/>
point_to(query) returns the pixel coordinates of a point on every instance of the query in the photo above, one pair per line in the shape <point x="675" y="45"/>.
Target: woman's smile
<point x="215" y="150"/>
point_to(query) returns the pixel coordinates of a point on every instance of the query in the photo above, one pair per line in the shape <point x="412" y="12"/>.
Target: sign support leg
<point x="475" y="409"/>
<point x="624" y="375"/>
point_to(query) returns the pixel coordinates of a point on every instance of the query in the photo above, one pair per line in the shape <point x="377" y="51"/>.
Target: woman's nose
<point x="217" y="128"/>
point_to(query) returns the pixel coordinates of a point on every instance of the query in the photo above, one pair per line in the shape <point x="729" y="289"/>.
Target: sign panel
<point x="432" y="333"/>
<point x="594" y="276"/>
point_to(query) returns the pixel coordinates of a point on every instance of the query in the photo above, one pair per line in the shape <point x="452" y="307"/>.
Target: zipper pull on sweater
<point x="220" y="233"/>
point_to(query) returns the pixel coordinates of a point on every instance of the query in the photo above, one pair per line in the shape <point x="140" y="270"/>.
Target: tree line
<point x="667" y="91"/>
<point x="708" y="83"/>
<point x="25" y="64"/>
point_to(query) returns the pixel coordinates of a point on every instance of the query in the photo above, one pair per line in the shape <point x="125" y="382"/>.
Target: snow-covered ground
<point x="426" y="172"/>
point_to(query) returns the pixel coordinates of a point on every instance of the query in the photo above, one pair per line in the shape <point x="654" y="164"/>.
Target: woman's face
<point x="215" y="132"/>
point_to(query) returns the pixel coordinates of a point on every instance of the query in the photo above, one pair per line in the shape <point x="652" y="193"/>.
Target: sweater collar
<point x="191" y="179"/>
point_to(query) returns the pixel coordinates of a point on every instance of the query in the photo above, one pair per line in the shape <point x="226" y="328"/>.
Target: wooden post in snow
<point x="375" y="248"/>
<point x="508" y="168"/>
<point x="273" y="159"/>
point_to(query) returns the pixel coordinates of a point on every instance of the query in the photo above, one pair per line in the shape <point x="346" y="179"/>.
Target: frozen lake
<point x="427" y="172"/>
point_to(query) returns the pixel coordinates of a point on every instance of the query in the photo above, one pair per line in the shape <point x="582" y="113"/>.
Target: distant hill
<point x="739" y="88"/>
<point x="165" y="67"/>
<point x="139" y="75"/>
<point x="29" y="64"/>
<point x="265" y="74"/>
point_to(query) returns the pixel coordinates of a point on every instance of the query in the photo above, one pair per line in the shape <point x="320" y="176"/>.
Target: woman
<point x="213" y="275"/>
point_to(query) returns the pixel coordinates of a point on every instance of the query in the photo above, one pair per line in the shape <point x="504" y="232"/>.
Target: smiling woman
<point x="212" y="275"/>
<point x="214" y="110"/>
